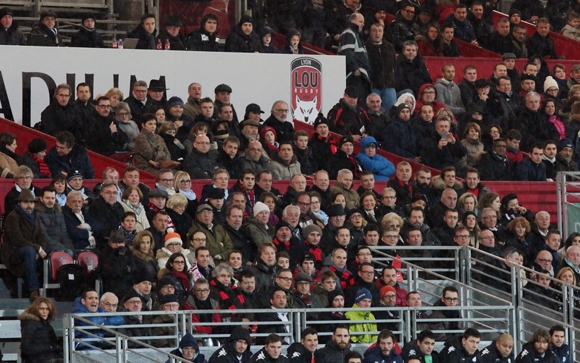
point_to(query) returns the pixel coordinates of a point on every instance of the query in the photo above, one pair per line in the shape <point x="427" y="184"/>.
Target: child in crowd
<point x="513" y="146"/>
<point x="293" y="45"/>
<point x="268" y="139"/>
<point x="283" y="259"/>
<point x="267" y="34"/>
<point x="571" y="30"/>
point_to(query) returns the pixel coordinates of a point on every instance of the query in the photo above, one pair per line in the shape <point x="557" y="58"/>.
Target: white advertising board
<point x="309" y="83"/>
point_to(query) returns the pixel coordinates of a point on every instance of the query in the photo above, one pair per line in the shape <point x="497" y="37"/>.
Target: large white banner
<point x="309" y="83"/>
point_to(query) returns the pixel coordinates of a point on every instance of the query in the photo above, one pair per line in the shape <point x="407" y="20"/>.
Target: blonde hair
<point x="177" y="200"/>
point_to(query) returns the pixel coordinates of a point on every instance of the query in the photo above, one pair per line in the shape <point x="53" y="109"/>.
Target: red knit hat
<point x="386" y="289"/>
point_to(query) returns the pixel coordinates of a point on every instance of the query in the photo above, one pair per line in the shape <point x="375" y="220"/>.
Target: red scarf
<point x="249" y="195"/>
<point x="278" y="244"/>
<point x="41" y="164"/>
<point x="155" y="210"/>
<point x="225" y="297"/>
<point x="346" y="279"/>
<point x="183" y="277"/>
<point x="474" y="191"/>
<point x="408" y="185"/>
<point x="356" y="170"/>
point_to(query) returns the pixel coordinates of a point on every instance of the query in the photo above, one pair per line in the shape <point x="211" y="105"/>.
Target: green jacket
<point x="218" y="242"/>
<point x="362" y="327"/>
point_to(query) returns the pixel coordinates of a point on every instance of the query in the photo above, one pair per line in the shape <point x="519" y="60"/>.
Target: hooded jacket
<point x="263" y="357"/>
<point x="189" y="341"/>
<point x="53" y="226"/>
<point x="39" y="342"/>
<point x="381" y="168"/>
<point x="362" y="327"/>
<point x="436" y="105"/>
<point x="238" y="41"/>
<point x="227" y="353"/>
<point x="333" y="353"/>
<point x="399" y="138"/>
<point x="449" y="94"/>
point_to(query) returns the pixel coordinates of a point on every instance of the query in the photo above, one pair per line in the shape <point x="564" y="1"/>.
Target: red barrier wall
<point x="26" y="134"/>
<point x="567" y="47"/>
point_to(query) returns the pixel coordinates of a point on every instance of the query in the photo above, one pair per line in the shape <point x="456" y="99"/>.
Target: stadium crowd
<point x="252" y="246"/>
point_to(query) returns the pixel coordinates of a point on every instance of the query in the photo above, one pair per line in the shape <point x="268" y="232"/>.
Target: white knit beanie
<point x="550" y="82"/>
<point x="260" y="207"/>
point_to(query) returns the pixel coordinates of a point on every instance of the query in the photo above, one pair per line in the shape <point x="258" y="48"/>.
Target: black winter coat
<point x="399" y="138"/>
<point x="116" y="268"/>
<point x="238" y="41"/>
<point x="80" y="237"/>
<point x="77" y="159"/>
<point x="175" y="43"/>
<point x="332" y="353"/>
<point x="233" y="166"/>
<point x="284" y="130"/>
<point x="448" y="155"/>
<point x="534" y="129"/>
<point x="526" y="170"/>
<point x="39" y="342"/>
<point x="542" y="46"/>
<point x="12" y="35"/>
<point x="29" y="161"/>
<point x="56" y="118"/>
<point x="201" y="40"/>
<point x="13" y="194"/>
<point x="492" y="167"/>
<point x="299" y="354"/>
<point x="109" y="215"/>
<point x="340" y="161"/>
<point x="491" y="354"/>
<point x="529" y="355"/>
<point x="500" y="44"/>
<point x="85" y="38"/>
<point x="529" y="8"/>
<point x="102" y="140"/>
<point x="137" y="108"/>
<point x="383" y="59"/>
<point x="146" y="39"/>
<point x="304" y="157"/>
<point x="199" y="166"/>
<point x="403" y="30"/>
<point x="347" y="120"/>
<point x="40" y="35"/>
<point x="411" y="74"/>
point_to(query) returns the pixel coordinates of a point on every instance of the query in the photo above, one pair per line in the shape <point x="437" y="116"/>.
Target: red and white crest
<point x="306" y="89"/>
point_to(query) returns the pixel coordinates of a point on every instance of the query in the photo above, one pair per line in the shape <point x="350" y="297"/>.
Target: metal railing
<point x="568" y="189"/>
<point x="558" y="304"/>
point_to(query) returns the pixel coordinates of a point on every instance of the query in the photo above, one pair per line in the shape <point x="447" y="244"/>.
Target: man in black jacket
<point x="103" y="135"/>
<point x="467" y="86"/>
<point x="357" y="61"/>
<point x="336" y="349"/>
<point x="277" y="121"/>
<point x="346" y="117"/>
<point x="540" y="43"/>
<point x="422" y="348"/>
<point x="442" y="149"/>
<point x="536" y="350"/>
<point x="277" y="301"/>
<point x="238" y="345"/>
<point x="66" y="156"/>
<point x="137" y="100"/>
<point x="466" y="350"/>
<point x="399" y="137"/>
<point x="107" y="210"/>
<point x="77" y="215"/>
<point x="382" y="57"/>
<point x="495" y="165"/>
<point x="306" y="351"/>
<point x="404" y="28"/>
<point x="532" y="168"/>
<point x="411" y="72"/>
<point x="61" y="114"/>
<point x="9" y="32"/>
<point x="499" y="351"/>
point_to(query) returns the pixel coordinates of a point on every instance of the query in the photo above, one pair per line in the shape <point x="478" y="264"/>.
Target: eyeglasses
<point x="200" y="239"/>
<point x="285" y="278"/>
<point x="463" y="236"/>
<point x="136" y="302"/>
<point x="544" y="260"/>
<point x="282" y="110"/>
<point x="453" y="299"/>
<point x="167" y="180"/>
<point x="304" y="204"/>
<point x="123" y="114"/>
<point x="410" y="11"/>
<point x="185" y="181"/>
<point x="202" y="290"/>
<point x="109" y="305"/>
<point x="390" y="296"/>
<point x="206" y="213"/>
<point x="494" y="132"/>
<point x="367" y="272"/>
<point x="179" y="262"/>
<point x="108" y="107"/>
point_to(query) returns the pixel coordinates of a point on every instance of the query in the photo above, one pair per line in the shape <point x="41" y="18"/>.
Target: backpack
<point x="71" y="278"/>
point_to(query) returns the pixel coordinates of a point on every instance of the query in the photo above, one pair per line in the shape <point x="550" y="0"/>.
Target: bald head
<point x="201" y="144"/>
<point x="505" y="345"/>
<point x="449" y="198"/>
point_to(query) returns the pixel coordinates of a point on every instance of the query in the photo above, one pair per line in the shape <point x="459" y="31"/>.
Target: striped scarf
<point x="225" y="297"/>
<point x="41" y="164"/>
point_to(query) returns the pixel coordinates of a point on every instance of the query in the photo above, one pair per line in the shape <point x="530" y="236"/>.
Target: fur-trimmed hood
<point x="28" y="316"/>
<point x="439" y="184"/>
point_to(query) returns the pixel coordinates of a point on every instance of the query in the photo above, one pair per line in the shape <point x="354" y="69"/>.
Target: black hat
<point x="142" y="274"/>
<point x="475" y="108"/>
<point x="353" y="211"/>
<point x="336" y="210"/>
<point x="253" y="108"/>
<point x="36" y="145"/>
<point x="332" y="295"/>
<point x="6" y="11"/>
<point x="216" y="193"/>
<point x="75" y="174"/>
<point x="173" y="20"/>
<point x="351" y="91"/>
<point x="281" y="224"/>
<point x="131" y="294"/>
<point x="223" y="88"/>
<point x="88" y="16"/>
<point x="117" y="236"/>
<point x="528" y="76"/>
<point x="515" y="11"/>
<point x="564" y="143"/>
<point x="157" y="85"/>
<point x="401" y="107"/>
<point x="174" y="101"/>
<point x="46" y="14"/>
<point x="165" y="299"/>
<point x="320" y="119"/>
<point x="164" y="281"/>
<point x="345" y="139"/>
<point x="426" y="10"/>
<point x="482" y="83"/>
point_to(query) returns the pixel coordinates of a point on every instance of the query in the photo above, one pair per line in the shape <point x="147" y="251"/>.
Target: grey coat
<point x="54" y="227"/>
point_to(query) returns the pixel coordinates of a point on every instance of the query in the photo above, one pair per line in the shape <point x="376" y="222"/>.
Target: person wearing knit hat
<point x="87" y="36"/>
<point x="268" y="138"/>
<point x="309" y="229"/>
<point x="260" y="207"/>
<point x="9" y="32"/>
<point x="143" y="282"/>
<point x="45" y="32"/>
<point x="175" y="110"/>
<point x="34" y="158"/>
<point x="566" y="152"/>
<point x="363" y="300"/>
<point x="346" y="139"/>
<point x="321" y="143"/>
<point x="389" y="288"/>
<point x="173" y="244"/>
<point x="551" y="86"/>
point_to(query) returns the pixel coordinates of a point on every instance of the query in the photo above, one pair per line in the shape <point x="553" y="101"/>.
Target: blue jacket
<point x="563" y="352"/>
<point x="374" y="355"/>
<point x="526" y="170"/>
<point x="381" y="168"/>
<point x="399" y="138"/>
<point x="462" y="29"/>
<point x="79" y="308"/>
